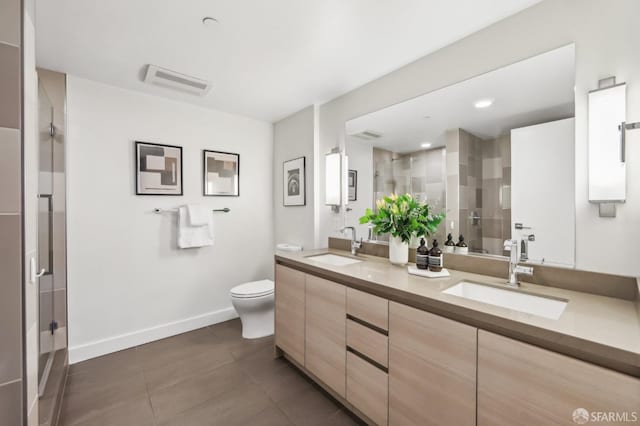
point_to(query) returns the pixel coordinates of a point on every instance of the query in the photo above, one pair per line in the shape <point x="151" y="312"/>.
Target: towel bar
<point x="158" y="211"/>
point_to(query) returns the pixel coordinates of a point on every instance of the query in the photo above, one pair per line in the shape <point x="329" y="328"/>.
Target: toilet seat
<point x="253" y="289"/>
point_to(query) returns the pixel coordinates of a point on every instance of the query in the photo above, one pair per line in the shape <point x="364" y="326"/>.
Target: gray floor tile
<point x="169" y="401"/>
<point x="236" y="407"/>
<point x="309" y="408"/>
<point x="211" y="376"/>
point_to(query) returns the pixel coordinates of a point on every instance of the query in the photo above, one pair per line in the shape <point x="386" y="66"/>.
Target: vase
<point x="398" y="251"/>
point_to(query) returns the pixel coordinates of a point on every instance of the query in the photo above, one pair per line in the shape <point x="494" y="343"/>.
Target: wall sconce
<point x="333" y="180"/>
<point x="607" y="138"/>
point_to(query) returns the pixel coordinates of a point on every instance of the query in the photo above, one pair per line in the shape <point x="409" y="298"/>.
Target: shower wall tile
<point x="10" y="403"/>
<point x="9" y="86"/>
<point x="9" y="22"/>
<point x="10" y="170"/>
<point x="10" y="298"/>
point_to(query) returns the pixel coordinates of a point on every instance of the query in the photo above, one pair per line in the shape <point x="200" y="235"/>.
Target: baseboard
<point x="124" y="341"/>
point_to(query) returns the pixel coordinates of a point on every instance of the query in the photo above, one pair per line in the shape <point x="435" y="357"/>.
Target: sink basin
<point x="511" y="299"/>
<point x="333" y="259"/>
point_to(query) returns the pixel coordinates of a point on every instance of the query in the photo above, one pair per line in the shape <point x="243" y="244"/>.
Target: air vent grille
<point x="368" y="135"/>
<point x="173" y="80"/>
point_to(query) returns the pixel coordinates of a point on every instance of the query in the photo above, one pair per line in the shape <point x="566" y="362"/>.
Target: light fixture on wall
<point x="333" y="179"/>
<point x="607" y="145"/>
<point x="426" y="144"/>
<point x="483" y="103"/>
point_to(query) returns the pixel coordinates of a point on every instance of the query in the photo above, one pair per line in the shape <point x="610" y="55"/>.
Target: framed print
<point x="221" y="171"/>
<point x="158" y="169"/>
<point x="353" y="185"/>
<point x="294" y="182"/>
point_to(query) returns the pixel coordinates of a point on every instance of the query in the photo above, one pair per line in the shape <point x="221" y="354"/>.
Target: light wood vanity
<point x="395" y="364"/>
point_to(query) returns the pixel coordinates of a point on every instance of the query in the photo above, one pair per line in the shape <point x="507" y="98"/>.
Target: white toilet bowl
<point x="254" y="303"/>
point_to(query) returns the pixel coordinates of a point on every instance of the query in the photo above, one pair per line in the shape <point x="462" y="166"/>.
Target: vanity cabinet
<point x="325" y="342"/>
<point x="521" y="384"/>
<point x="432" y="369"/>
<point x="290" y="312"/>
<point x="368" y="355"/>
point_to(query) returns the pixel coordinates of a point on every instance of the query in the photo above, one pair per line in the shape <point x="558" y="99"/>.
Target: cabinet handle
<point x="367" y="359"/>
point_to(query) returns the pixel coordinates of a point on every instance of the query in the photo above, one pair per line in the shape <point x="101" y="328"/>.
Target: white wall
<point x="606" y="41"/>
<point x="127" y="282"/>
<point x="294" y="137"/>
<point x="542" y="185"/>
<point x="361" y="160"/>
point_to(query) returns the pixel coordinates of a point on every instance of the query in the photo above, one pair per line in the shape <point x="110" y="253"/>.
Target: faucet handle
<point x="509" y="244"/>
<point x="524" y="270"/>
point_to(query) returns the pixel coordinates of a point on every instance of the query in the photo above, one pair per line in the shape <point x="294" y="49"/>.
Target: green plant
<point x="402" y="216"/>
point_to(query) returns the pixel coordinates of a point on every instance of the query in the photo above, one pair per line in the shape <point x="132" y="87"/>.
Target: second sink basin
<point x="333" y="259"/>
<point x="511" y="299"/>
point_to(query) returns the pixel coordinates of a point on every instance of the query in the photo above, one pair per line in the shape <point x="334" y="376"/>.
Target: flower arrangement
<point x="403" y="217"/>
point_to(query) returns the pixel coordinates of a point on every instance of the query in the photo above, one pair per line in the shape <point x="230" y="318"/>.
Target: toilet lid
<point x="253" y="289"/>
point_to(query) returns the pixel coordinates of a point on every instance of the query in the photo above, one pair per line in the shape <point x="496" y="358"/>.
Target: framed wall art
<point x="221" y="171"/>
<point x="158" y="169"/>
<point x="353" y="185"/>
<point x="294" y="182"/>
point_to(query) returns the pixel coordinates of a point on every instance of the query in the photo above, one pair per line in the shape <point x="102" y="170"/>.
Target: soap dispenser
<point x="462" y="247"/>
<point x="435" y="258"/>
<point x="449" y="245"/>
<point x="422" y="255"/>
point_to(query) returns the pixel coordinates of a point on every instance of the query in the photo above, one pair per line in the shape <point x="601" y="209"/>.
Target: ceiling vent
<point x="367" y="135"/>
<point x="173" y="80"/>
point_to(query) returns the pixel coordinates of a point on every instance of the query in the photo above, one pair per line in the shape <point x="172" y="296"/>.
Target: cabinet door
<point x="432" y="369"/>
<point x="367" y="388"/>
<point x="290" y="312"/>
<point x="520" y="384"/>
<point x="326" y="332"/>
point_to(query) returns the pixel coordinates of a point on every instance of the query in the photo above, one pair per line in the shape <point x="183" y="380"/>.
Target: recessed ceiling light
<point x="483" y="103"/>
<point x="426" y="145"/>
<point x="208" y="21"/>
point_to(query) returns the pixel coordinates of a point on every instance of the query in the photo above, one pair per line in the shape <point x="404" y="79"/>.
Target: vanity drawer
<point x="372" y="344"/>
<point x="367" y="389"/>
<point x="369" y="308"/>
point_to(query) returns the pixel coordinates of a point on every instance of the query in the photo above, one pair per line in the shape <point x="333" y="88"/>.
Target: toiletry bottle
<point x="422" y="255"/>
<point x="435" y="258"/>
<point x="462" y="247"/>
<point x="449" y="245"/>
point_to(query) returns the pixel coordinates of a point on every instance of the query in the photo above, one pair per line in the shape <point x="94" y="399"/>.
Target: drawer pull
<point x="368" y="325"/>
<point x="367" y="359"/>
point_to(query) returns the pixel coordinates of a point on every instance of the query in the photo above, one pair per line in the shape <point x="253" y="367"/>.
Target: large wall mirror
<point x="495" y="153"/>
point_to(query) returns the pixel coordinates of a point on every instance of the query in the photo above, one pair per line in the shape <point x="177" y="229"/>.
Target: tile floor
<point x="209" y="376"/>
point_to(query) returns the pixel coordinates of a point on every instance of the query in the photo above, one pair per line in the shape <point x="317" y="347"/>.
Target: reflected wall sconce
<point x="333" y="179"/>
<point x="607" y="145"/>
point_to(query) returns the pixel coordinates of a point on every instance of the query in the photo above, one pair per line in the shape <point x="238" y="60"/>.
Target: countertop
<point x="598" y="329"/>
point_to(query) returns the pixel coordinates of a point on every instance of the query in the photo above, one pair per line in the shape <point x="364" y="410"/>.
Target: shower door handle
<point x="35" y="275"/>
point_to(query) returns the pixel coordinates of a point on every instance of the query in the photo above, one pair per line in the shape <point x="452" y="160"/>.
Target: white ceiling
<point x="266" y="59"/>
<point x="532" y="91"/>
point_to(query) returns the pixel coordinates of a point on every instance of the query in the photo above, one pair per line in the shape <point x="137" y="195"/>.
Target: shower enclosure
<point x="51" y="238"/>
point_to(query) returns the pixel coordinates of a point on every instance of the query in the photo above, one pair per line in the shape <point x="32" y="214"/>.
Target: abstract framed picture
<point x="221" y="171"/>
<point x="294" y="182"/>
<point x="353" y="185"/>
<point x="158" y="169"/>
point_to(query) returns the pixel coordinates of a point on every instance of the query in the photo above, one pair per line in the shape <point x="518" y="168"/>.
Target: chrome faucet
<point x="355" y="244"/>
<point x="514" y="268"/>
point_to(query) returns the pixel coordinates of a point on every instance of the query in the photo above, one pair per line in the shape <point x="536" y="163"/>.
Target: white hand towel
<point x="199" y="215"/>
<point x="193" y="236"/>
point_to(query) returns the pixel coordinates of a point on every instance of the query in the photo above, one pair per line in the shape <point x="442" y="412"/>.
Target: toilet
<point x="254" y="303"/>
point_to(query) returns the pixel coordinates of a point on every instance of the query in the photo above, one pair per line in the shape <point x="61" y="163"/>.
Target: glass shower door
<point x="45" y="236"/>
